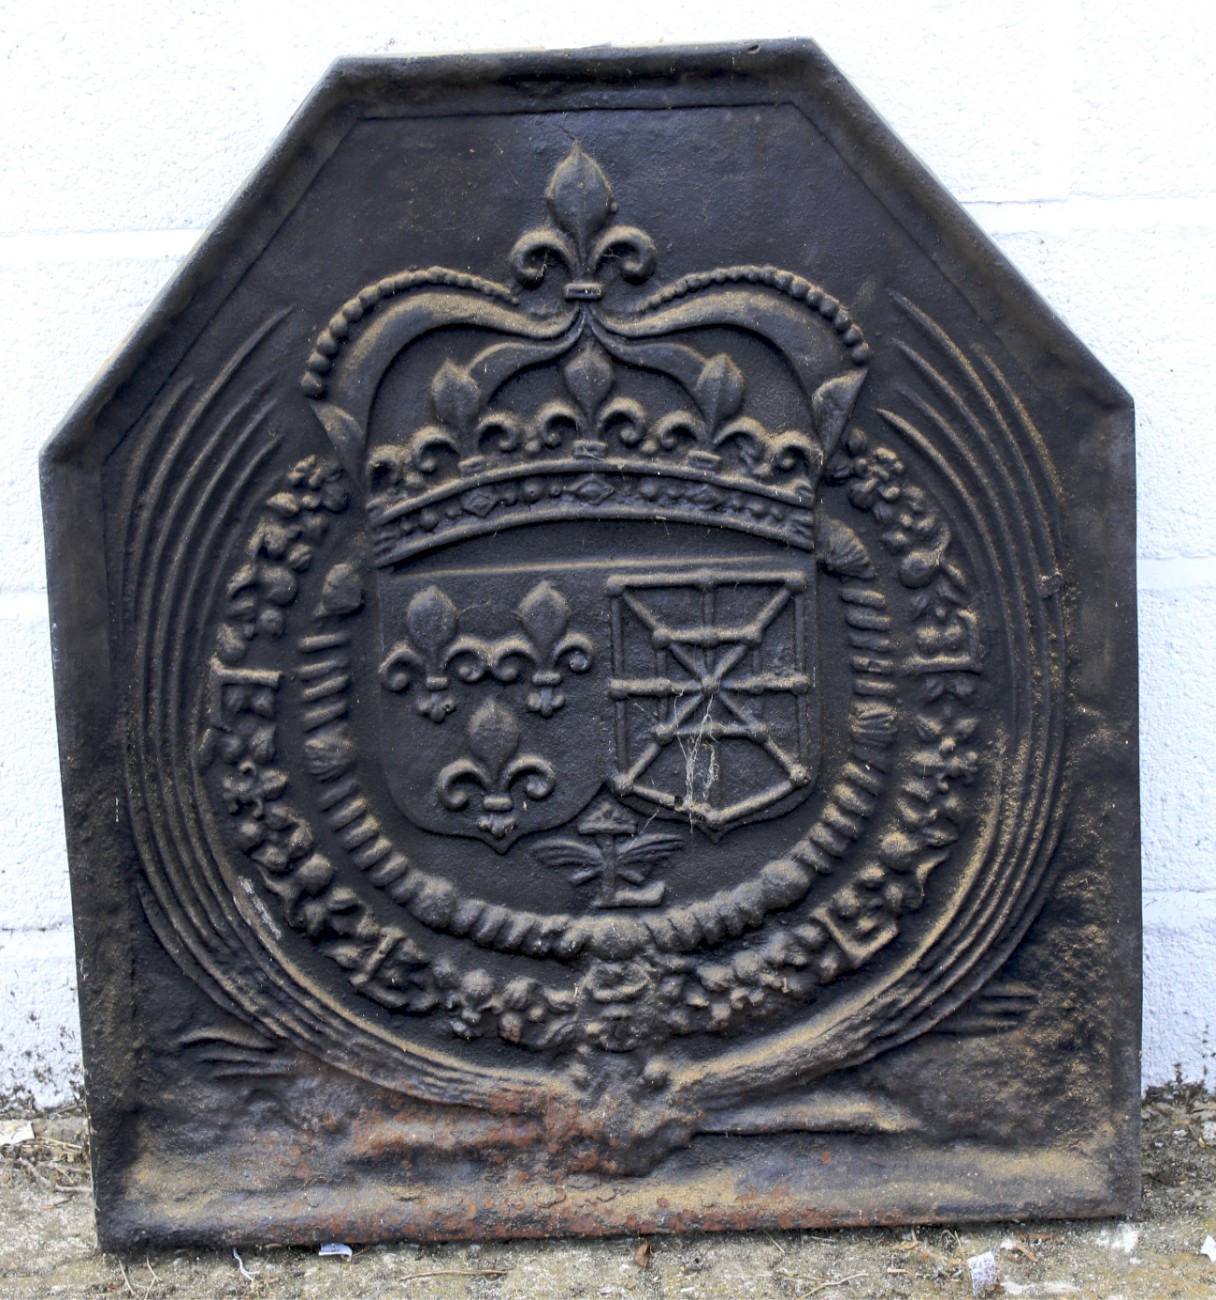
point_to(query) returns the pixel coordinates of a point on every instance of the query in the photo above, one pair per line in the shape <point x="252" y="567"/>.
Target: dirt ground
<point x="48" y="1247"/>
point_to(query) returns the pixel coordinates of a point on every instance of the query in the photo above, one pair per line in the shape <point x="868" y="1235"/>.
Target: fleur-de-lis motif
<point x="496" y="765"/>
<point x="589" y="377"/>
<point x="432" y="622"/>
<point x="544" y="615"/>
<point x="434" y="646"/>
<point x="580" y="239"/>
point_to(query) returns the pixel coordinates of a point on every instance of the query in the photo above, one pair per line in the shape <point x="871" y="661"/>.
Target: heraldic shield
<point x="564" y="430"/>
<point x="688" y="693"/>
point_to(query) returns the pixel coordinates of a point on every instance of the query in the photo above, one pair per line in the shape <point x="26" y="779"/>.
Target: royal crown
<point x="604" y="400"/>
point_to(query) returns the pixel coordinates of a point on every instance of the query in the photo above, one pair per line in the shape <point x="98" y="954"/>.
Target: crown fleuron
<point x="587" y="393"/>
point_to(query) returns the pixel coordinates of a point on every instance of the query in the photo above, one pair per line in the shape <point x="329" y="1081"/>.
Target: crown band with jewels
<point x="637" y="423"/>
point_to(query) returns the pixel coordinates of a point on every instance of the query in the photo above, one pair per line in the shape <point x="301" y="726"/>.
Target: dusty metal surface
<point x="595" y="638"/>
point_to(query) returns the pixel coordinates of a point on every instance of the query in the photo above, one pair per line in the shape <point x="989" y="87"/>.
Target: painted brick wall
<point x="1078" y="133"/>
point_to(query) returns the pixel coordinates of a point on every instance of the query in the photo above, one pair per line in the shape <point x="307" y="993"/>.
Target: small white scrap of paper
<point x="15" y="1131"/>
<point x="336" y="1248"/>
<point x="1209" y="1247"/>
<point x="983" y="1272"/>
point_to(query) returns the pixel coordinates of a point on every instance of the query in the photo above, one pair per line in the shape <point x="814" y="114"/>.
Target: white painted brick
<point x="978" y="90"/>
<point x="1145" y="79"/>
<point x="76" y="308"/>
<point x="122" y="117"/>
<point x="143" y="117"/>
<point x="1177" y="726"/>
<point x="1144" y="299"/>
<point x="39" y="1025"/>
<point x="1179" y="993"/>
<point x="33" y="861"/>
<point x="1176" y="575"/>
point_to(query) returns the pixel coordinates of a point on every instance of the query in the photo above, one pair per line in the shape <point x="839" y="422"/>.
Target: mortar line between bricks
<point x="1176" y="572"/>
<point x="54" y="943"/>
<point x="999" y="216"/>
<point x="1180" y="911"/>
<point x="96" y="246"/>
<point x="1085" y="212"/>
<point x="23" y="603"/>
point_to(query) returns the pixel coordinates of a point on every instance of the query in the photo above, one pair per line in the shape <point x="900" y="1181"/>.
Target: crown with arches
<point x="580" y="393"/>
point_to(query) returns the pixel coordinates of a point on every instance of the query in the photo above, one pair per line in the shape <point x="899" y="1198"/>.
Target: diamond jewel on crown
<point x="589" y="396"/>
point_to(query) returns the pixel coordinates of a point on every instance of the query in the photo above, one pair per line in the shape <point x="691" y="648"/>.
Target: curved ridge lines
<point x="180" y="867"/>
<point x="169" y="459"/>
<point x="163" y="412"/>
<point x="353" y="383"/>
<point x="1044" y="775"/>
<point x="165" y="553"/>
<point x="976" y="937"/>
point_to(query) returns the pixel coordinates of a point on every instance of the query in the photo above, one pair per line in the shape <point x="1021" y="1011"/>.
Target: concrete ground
<point x="48" y="1247"/>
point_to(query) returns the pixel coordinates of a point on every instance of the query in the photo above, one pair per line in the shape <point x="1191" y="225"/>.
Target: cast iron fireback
<point x="595" y="639"/>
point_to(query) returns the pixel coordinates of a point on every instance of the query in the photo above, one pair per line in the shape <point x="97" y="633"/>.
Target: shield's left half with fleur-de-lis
<point x="491" y="679"/>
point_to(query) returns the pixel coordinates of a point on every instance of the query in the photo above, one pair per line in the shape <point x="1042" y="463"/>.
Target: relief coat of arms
<point x="582" y="651"/>
<point x="605" y="709"/>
